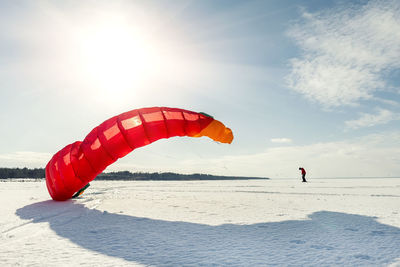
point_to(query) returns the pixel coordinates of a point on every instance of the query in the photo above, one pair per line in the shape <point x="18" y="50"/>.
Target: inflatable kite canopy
<point x="74" y="166"/>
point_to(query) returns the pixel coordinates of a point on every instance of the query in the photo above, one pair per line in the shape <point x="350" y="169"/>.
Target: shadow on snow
<point x="327" y="238"/>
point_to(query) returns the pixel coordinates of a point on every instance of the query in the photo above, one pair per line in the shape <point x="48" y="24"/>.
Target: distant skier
<point x="303" y="174"/>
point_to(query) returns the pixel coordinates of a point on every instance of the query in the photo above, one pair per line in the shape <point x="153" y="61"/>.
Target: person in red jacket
<point x="303" y="174"/>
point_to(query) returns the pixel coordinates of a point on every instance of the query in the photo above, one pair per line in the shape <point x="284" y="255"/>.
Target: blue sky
<point x="301" y="83"/>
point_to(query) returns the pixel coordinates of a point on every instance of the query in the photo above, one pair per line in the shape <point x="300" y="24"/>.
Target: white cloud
<point x="347" y="52"/>
<point x="281" y="140"/>
<point x="368" y="120"/>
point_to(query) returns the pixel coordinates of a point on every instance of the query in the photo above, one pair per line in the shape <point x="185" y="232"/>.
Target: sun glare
<point x="115" y="56"/>
<point x="120" y="58"/>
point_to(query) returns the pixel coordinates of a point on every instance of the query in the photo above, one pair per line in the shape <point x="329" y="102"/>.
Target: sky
<point x="301" y="83"/>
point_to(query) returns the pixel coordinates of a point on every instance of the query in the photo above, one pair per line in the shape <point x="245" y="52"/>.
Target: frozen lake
<point x="277" y="222"/>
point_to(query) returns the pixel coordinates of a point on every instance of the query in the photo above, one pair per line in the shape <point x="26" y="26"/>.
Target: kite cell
<point x="74" y="166"/>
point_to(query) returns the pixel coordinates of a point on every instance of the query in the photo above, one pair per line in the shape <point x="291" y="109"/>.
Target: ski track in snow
<point x="326" y="222"/>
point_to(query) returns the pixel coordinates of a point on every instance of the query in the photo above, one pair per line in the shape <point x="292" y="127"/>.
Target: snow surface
<point x="278" y="222"/>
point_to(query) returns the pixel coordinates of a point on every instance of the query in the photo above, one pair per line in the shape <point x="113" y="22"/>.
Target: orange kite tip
<point x="229" y="136"/>
<point x="217" y="131"/>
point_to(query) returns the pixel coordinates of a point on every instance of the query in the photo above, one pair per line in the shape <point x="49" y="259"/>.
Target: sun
<point x="118" y="58"/>
<point x="115" y="55"/>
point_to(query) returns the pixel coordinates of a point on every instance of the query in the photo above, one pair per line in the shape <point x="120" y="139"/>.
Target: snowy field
<point x="278" y="222"/>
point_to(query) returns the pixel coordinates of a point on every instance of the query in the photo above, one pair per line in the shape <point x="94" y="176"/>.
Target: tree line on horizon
<point x="9" y="173"/>
<point x="39" y="173"/>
